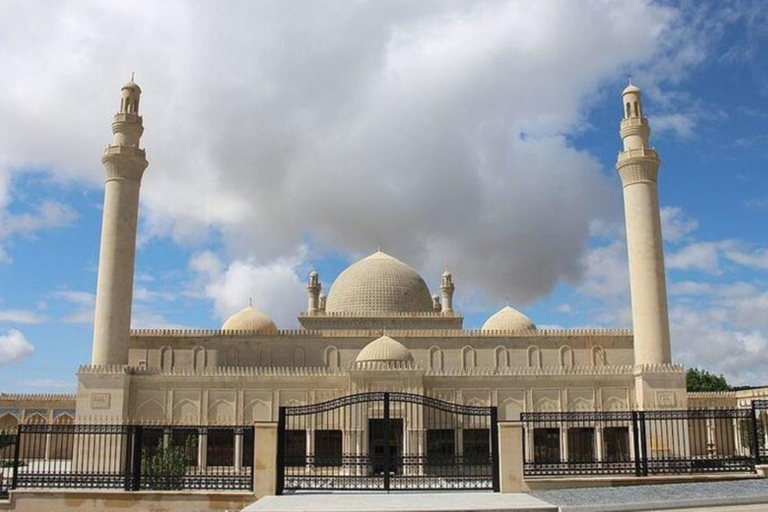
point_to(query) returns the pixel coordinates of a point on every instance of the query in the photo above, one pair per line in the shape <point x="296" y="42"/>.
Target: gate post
<point x="265" y="459"/>
<point x="16" y="451"/>
<point x="388" y="440"/>
<point x="510" y="469"/>
<point x="495" y="448"/>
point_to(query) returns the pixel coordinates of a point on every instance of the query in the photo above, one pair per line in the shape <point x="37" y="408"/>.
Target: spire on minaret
<point x="313" y="293"/>
<point x="446" y="291"/>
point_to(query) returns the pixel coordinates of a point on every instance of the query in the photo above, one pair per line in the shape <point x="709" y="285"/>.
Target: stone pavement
<point x="659" y="497"/>
<point x="422" y="501"/>
<point x="733" y="496"/>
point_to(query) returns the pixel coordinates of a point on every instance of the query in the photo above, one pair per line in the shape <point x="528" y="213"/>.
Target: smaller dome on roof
<point x="384" y="349"/>
<point x="249" y="319"/>
<point x="630" y="88"/>
<point x="508" y="319"/>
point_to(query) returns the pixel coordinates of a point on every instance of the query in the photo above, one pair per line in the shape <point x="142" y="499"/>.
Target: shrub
<point x="165" y="468"/>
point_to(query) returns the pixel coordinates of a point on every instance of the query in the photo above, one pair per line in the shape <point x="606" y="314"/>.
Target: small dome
<point x="249" y="319"/>
<point x="131" y="85"/>
<point x="384" y="349"/>
<point x="508" y="319"/>
<point x="379" y="284"/>
<point x="630" y="88"/>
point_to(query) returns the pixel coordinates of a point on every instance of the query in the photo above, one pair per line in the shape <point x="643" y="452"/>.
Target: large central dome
<point x="378" y="285"/>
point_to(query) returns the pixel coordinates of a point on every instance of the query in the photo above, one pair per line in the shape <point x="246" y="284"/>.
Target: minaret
<point x="313" y="293"/>
<point x="124" y="164"/>
<point x="638" y="167"/>
<point x="446" y="290"/>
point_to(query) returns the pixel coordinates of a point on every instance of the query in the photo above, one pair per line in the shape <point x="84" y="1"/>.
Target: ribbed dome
<point x="384" y="349"/>
<point x="508" y="319"/>
<point x="379" y="284"/>
<point x="249" y="319"/>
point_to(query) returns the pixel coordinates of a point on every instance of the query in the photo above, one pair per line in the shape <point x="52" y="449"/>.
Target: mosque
<point x="379" y="328"/>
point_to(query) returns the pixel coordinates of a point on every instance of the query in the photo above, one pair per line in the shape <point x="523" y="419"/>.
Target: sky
<point x="289" y="135"/>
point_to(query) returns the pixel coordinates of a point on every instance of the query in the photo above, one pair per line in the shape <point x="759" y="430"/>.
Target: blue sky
<point x="481" y="136"/>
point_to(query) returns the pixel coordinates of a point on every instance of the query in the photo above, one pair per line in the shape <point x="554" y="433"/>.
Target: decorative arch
<point x="299" y="357"/>
<point x="332" y="357"/>
<point x="150" y="410"/>
<point x="221" y="412"/>
<point x="186" y="411"/>
<point x="546" y="405"/>
<point x="436" y="358"/>
<point x="468" y="358"/>
<point x="502" y="357"/>
<point x="598" y="356"/>
<point x="62" y="444"/>
<point x="615" y="404"/>
<point x="534" y="357"/>
<point x="8" y="422"/>
<point x="199" y="358"/>
<point x="566" y="357"/>
<point x="166" y="358"/>
<point x="581" y="405"/>
<point x="257" y="410"/>
<point x="35" y="418"/>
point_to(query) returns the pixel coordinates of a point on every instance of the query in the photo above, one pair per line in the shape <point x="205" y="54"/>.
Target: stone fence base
<point x="106" y="501"/>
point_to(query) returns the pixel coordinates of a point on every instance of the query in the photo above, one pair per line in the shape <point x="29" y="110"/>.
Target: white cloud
<point x="83" y="302"/>
<point x="48" y="214"/>
<point x="680" y="124"/>
<point x="703" y="256"/>
<point x="14" y="347"/>
<point x="438" y="129"/>
<point x="757" y="259"/>
<point x="20" y="316"/>
<point x="676" y="225"/>
<point x="275" y="289"/>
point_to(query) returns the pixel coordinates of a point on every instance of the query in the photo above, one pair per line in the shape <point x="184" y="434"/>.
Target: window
<point x="581" y="445"/>
<point x="220" y="450"/>
<point x="476" y="446"/>
<point x="295" y="447"/>
<point x="328" y="450"/>
<point x="546" y="445"/>
<point x="616" y="444"/>
<point x="187" y="438"/>
<point x="441" y="447"/>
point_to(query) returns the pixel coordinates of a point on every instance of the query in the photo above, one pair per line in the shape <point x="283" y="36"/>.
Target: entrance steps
<point x="404" y="501"/>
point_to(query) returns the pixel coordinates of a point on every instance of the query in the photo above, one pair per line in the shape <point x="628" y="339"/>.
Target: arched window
<point x="598" y="356"/>
<point x="436" y="358"/>
<point x="166" y="358"/>
<point x="468" y="358"/>
<point x="199" y="358"/>
<point x="629" y="112"/>
<point x="637" y="110"/>
<point x="502" y="357"/>
<point x="566" y="357"/>
<point x="534" y="357"/>
<point x="332" y="357"/>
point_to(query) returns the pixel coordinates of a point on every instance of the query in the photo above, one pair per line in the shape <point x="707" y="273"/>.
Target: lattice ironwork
<point x="387" y="441"/>
<point x="684" y="441"/>
<point x="134" y="457"/>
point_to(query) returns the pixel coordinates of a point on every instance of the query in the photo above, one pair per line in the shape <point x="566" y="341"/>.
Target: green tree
<point x="702" y="380"/>
<point x="165" y="468"/>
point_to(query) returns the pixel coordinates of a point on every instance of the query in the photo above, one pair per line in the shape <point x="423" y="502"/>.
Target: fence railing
<point x="643" y="443"/>
<point x="132" y="457"/>
<point x="7" y="449"/>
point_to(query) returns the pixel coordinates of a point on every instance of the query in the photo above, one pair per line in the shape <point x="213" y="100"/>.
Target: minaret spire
<point x="638" y="166"/>
<point x="124" y="164"/>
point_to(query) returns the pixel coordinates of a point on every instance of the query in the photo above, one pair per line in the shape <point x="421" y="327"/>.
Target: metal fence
<point x="643" y="443"/>
<point x="132" y="457"/>
<point x="7" y="449"/>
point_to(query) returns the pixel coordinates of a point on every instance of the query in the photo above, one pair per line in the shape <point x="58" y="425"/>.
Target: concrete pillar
<point x="264" y="458"/>
<point x="511" y="457"/>
<point x="124" y="163"/>
<point x="638" y="168"/>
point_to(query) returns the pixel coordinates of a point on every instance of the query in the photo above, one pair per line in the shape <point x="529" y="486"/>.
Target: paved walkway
<point x="422" y="501"/>
<point x="658" y="497"/>
<point x="741" y="495"/>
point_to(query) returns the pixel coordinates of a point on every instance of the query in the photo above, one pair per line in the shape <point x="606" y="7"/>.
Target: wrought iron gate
<point x="8" y="443"/>
<point x="387" y="441"/>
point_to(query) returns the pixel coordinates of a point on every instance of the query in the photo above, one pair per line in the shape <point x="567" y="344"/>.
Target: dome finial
<point x="250" y="302"/>
<point x="506" y="301"/>
<point x="133" y="73"/>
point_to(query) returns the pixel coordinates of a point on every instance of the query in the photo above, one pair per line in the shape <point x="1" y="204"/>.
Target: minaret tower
<point x="638" y="166"/>
<point x="313" y="293"/>
<point x="124" y="164"/>
<point x="446" y="290"/>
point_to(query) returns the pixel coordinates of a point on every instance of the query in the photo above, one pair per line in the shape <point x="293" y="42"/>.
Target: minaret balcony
<point x="121" y="149"/>
<point x="638" y="153"/>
